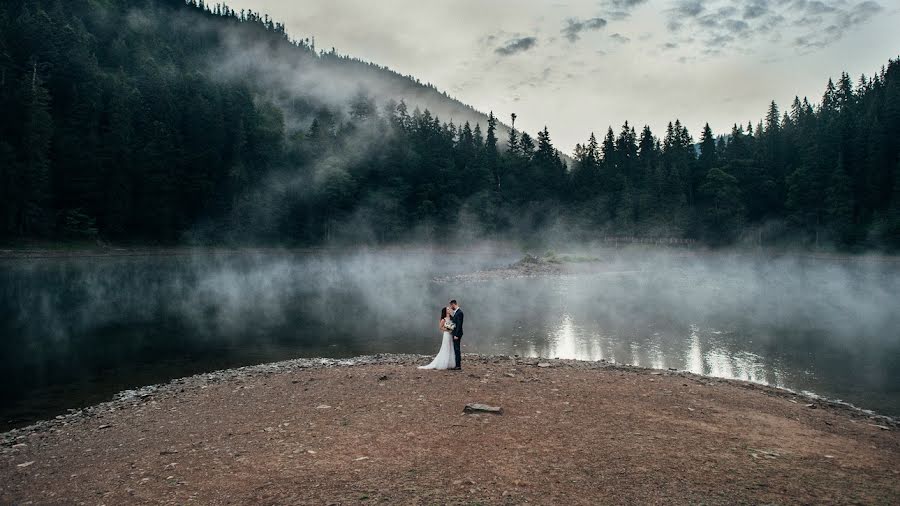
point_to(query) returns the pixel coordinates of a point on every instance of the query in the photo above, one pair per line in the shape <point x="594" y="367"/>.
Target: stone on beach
<point x="482" y="408"/>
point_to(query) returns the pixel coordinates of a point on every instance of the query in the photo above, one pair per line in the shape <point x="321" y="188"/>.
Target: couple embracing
<point x="451" y="324"/>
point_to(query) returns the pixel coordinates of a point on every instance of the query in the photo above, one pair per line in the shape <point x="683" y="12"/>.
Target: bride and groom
<point x="451" y="324"/>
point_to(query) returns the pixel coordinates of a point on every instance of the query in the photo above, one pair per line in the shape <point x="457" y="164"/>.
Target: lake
<point x="77" y="330"/>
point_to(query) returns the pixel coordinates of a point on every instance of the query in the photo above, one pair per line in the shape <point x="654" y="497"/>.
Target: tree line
<point x="114" y="130"/>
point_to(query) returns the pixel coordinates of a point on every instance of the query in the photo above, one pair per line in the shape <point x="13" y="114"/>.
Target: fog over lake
<point x="77" y="330"/>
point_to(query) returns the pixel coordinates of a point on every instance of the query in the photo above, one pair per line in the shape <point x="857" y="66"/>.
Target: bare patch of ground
<point x="379" y="430"/>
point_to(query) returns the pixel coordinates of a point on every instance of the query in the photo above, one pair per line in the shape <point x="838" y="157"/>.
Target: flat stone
<point x="544" y="364"/>
<point x="482" y="408"/>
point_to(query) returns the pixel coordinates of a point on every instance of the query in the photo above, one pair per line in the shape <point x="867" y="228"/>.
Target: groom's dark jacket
<point x="458" y="320"/>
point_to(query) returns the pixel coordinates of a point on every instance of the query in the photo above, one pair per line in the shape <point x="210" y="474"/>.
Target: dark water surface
<point x="75" y="331"/>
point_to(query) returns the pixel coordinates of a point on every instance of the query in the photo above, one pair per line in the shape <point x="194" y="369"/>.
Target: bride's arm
<point x="441" y="324"/>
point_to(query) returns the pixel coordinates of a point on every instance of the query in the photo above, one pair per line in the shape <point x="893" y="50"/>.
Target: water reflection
<point x="78" y="330"/>
<point x="695" y="356"/>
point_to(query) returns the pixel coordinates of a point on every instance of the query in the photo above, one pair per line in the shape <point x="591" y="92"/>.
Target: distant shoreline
<point x="73" y="251"/>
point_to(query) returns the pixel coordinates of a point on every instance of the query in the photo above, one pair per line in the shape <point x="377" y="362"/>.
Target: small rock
<point x="323" y="406"/>
<point x="811" y="406"/>
<point x="168" y="452"/>
<point x="544" y="364"/>
<point x="511" y="375"/>
<point x="26" y="464"/>
<point x="383" y="378"/>
<point x="482" y="408"/>
<point x="104" y="426"/>
<point x="361" y="458"/>
<point x="882" y="427"/>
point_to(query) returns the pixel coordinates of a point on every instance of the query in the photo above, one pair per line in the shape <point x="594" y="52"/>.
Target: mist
<point x="827" y="326"/>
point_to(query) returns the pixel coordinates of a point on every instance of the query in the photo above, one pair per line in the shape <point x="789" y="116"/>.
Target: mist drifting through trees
<point x="165" y="122"/>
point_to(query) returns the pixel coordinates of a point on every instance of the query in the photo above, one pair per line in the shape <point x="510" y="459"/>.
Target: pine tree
<point x="491" y="154"/>
<point x="512" y="144"/>
<point x="723" y="210"/>
<point x="839" y="201"/>
<point x="526" y="145"/>
<point x="890" y="230"/>
<point x="709" y="156"/>
<point x="32" y="210"/>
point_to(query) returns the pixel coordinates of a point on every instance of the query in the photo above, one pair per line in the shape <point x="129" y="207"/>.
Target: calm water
<point x="76" y="331"/>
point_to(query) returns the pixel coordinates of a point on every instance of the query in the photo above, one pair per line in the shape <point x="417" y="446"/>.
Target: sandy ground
<point x="379" y="430"/>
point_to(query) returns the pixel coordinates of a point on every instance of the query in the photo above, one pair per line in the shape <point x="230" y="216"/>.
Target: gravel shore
<point x="378" y="430"/>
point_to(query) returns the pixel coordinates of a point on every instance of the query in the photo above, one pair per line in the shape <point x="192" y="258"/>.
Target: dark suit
<point x="458" y="317"/>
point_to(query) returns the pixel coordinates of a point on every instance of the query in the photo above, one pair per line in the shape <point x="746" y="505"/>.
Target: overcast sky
<point x="579" y="66"/>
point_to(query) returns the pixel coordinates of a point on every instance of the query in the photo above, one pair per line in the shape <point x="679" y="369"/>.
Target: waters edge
<point x="132" y="397"/>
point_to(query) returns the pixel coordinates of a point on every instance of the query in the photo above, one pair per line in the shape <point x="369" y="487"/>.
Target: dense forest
<point x="119" y="124"/>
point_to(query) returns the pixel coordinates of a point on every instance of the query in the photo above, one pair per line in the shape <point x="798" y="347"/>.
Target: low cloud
<point x="620" y="9"/>
<point x="720" y="24"/>
<point x="518" y="45"/>
<point x="574" y="27"/>
<point x="621" y="39"/>
<point x="688" y="8"/>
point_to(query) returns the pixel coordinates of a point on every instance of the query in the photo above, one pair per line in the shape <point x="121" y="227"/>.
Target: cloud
<point x="518" y="45"/>
<point x="621" y="39"/>
<point x="736" y="25"/>
<point x="720" y="24"/>
<point x="817" y="7"/>
<point x="575" y="26"/>
<point x="624" y="4"/>
<point x="756" y="9"/>
<point x="620" y="9"/>
<point x="839" y="20"/>
<point x="689" y="8"/>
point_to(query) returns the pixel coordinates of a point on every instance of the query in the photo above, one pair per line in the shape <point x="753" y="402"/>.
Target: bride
<point x="445" y="358"/>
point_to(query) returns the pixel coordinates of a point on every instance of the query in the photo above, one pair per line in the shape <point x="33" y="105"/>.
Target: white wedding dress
<point x="446" y="357"/>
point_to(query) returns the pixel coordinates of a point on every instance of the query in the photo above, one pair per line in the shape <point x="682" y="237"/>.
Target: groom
<point x="457" y="332"/>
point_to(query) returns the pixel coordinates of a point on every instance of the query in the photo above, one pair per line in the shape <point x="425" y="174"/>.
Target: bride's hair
<point x="443" y="313"/>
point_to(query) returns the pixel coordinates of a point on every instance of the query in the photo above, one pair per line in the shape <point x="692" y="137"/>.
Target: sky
<point x="581" y="66"/>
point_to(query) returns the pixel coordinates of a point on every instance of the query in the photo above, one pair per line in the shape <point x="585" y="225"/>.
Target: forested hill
<point x="153" y="116"/>
<point x="165" y="121"/>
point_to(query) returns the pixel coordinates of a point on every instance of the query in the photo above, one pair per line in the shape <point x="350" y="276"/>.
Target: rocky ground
<point x="379" y="430"/>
